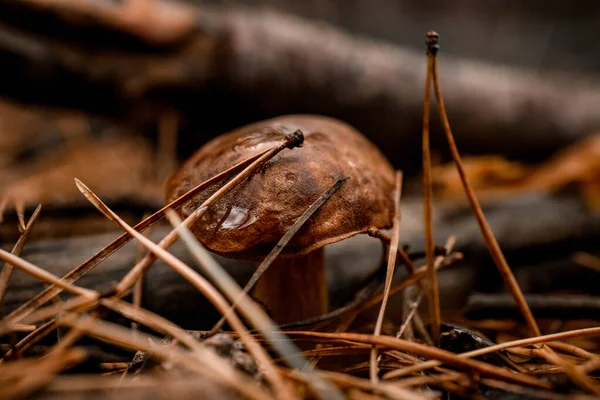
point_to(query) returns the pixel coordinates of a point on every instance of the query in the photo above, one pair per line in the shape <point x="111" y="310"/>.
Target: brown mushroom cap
<point x="249" y="220"/>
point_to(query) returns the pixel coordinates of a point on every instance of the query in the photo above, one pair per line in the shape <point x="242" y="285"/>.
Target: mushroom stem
<point x="294" y="288"/>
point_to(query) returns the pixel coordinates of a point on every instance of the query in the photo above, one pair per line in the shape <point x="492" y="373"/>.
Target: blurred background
<point x="540" y="35"/>
<point x="118" y="93"/>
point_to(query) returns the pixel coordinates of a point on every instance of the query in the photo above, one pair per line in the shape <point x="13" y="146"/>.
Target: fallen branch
<point x="267" y="63"/>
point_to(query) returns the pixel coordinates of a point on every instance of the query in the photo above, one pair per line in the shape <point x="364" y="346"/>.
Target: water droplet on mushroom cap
<point x="249" y="220"/>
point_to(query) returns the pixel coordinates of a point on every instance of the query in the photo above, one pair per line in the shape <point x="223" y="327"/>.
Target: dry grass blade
<point x="281" y="245"/>
<point x="486" y="231"/>
<point x="23" y="328"/>
<point x="491" y="349"/>
<point x="392" y="254"/>
<point x="20" y="209"/>
<point x="429" y="352"/>
<point x="571" y="349"/>
<point x="138" y="341"/>
<point x="50" y="292"/>
<point x="286" y="348"/>
<point x="204" y="287"/>
<point x="413" y="310"/>
<point x="42" y="275"/>
<point x="139" y="269"/>
<point x="8" y="268"/>
<point x="433" y="293"/>
<point x="138" y="288"/>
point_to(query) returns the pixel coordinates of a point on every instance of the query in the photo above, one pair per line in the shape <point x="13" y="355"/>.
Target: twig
<point x="433" y="292"/>
<point x="122" y="240"/>
<point x="413" y="309"/>
<point x="42" y="275"/>
<point x="201" y="284"/>
<point x="20" y="209"/>
<point x="486" y="231"/>
<point x="572" y="349"/>
<point x="291" y="141"/>
<point x="281" y="245"/>
<point x="23" y="328"/>
<point x="8" y="268"/>
<point x="407" y="301"/>
<point x="259" y="319"/>
<point x="391" y="264"/>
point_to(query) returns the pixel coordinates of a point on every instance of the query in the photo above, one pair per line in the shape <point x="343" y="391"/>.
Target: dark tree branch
<point x="252" y="65"/>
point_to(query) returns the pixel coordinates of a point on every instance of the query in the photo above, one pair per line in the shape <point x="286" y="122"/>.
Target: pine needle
<point x="393" y="252"/>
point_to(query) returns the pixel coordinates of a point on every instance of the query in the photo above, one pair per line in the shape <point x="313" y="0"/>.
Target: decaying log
<point x="530" y="230"/>
<point x="166" y="292"/>
<point x="256" y="64"/>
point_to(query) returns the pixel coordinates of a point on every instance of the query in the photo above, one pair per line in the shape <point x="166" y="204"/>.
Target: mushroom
<point x="250" y="219"/>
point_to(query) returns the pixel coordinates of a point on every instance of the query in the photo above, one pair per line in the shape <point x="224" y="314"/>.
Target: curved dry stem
<point x="433" y="292"/>
<point x="8" y="268"/>
<point x="392" y="254"/>
<point x="486" y="231"/>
